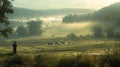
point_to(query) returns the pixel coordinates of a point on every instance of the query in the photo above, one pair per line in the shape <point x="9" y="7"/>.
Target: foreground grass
<point x="79" y="54"/>
<point x="52" y="60"/>
<point x="63" y="60"/>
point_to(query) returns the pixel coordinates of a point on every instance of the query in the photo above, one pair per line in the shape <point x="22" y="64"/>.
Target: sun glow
<point x="58" y="4"/>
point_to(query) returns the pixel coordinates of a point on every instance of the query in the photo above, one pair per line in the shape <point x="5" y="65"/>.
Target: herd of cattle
<point x="52" y="43"/>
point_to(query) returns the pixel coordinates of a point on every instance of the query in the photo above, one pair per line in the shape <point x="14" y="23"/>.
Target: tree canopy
<point x="21" y="30"/>
<point x="35" y="27"/>
<point x="5" y="8"/>
<point x="98" y="31"/>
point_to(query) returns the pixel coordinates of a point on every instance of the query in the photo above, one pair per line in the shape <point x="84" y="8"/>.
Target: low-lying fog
<point x="52" y="25"/>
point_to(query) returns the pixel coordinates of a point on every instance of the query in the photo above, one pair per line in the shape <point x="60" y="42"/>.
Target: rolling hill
<point x="23" y="12"/>
<point x="108" y="14"/>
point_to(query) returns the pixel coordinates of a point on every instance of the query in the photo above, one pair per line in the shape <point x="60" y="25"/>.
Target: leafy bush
<point x="85" y="61"/>
<point x="76" y="61"/>
<point x="66" y="62"/>
<point x="46" y="60"/>
<point x="112" y="57"/>
<point x="19" y="61"/>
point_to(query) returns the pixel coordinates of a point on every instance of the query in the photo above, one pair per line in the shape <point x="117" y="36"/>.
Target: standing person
<point x="14" y="47"/>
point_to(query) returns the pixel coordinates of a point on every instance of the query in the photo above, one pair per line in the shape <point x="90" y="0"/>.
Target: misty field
<point x="40" y="54"/>
<point x="59" y="33"/>
<point x="36" y="46"/>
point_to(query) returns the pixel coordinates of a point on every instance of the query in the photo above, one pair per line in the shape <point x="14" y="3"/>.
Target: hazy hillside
<point x="109" y="13"/>
<point x="23" y="12"/>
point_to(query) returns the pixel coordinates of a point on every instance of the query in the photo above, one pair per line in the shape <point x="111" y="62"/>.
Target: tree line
<point x="31" y="28"/>
<point x="107" y="32"/>
<point x="98" y="31"/>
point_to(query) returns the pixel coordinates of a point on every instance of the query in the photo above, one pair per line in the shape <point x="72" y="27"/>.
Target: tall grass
<point x="110" y="59"/>
<point x="19" y="61"/>
<point x="76" y="61"/>
<point x="46" y="60"/>
<point x="49" y="60"/>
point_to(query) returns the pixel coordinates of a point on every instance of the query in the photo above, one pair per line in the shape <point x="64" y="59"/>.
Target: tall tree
<point x="98" y="31"/>
<point x="21" y="30"/>
<point x="35" y="27"/>
<point x="110" y="32"/>
<point x="5" y="8"/>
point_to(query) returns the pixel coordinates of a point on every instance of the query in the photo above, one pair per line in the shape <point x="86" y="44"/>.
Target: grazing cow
<point x="51" y="43"/>
<point x="69" y="42"/>
<point x="62" y="42"/>
<point x="65" y="42"/>
<point x="57" y="43"/>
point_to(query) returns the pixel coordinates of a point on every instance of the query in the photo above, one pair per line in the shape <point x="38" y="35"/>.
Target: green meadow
<point x="78" y="53"/>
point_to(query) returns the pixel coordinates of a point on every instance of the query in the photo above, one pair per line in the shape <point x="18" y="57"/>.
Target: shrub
<point x="84" y="61"/>
<point x="19" y="61"/>
<point x="66" y="62"/>
<point x="112" y="57"/>
<point x="76" y="61"/>
<point x="46" y="60"/>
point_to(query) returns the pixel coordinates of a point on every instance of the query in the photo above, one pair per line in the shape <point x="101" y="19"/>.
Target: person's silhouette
<point x="14" y="47"/>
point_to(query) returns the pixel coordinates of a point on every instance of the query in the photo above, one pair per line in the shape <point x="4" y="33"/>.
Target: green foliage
<point x="98" y="31"/>
<point x="5" y="8"/>
<point x="85" y="61"/>
<point x="34" y="27"/>
<point x="77" y="61"/>
<point x="19" y="61"/>
<point x="117" y="35"/>
<point x="76" y="18"/>
<point x="110" y="32"/>
<point x="112" y="57"/>
<point x="46" y="60"/>
<point x="66" y="62"/>
<point x="21" y="30"/>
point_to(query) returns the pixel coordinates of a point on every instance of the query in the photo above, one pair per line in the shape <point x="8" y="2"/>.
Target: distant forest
<point x="106" y="21"/>
<point x="108" y="14"/>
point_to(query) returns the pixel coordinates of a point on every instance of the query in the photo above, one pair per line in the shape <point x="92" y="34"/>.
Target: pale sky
<point x="57" y="4"/>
